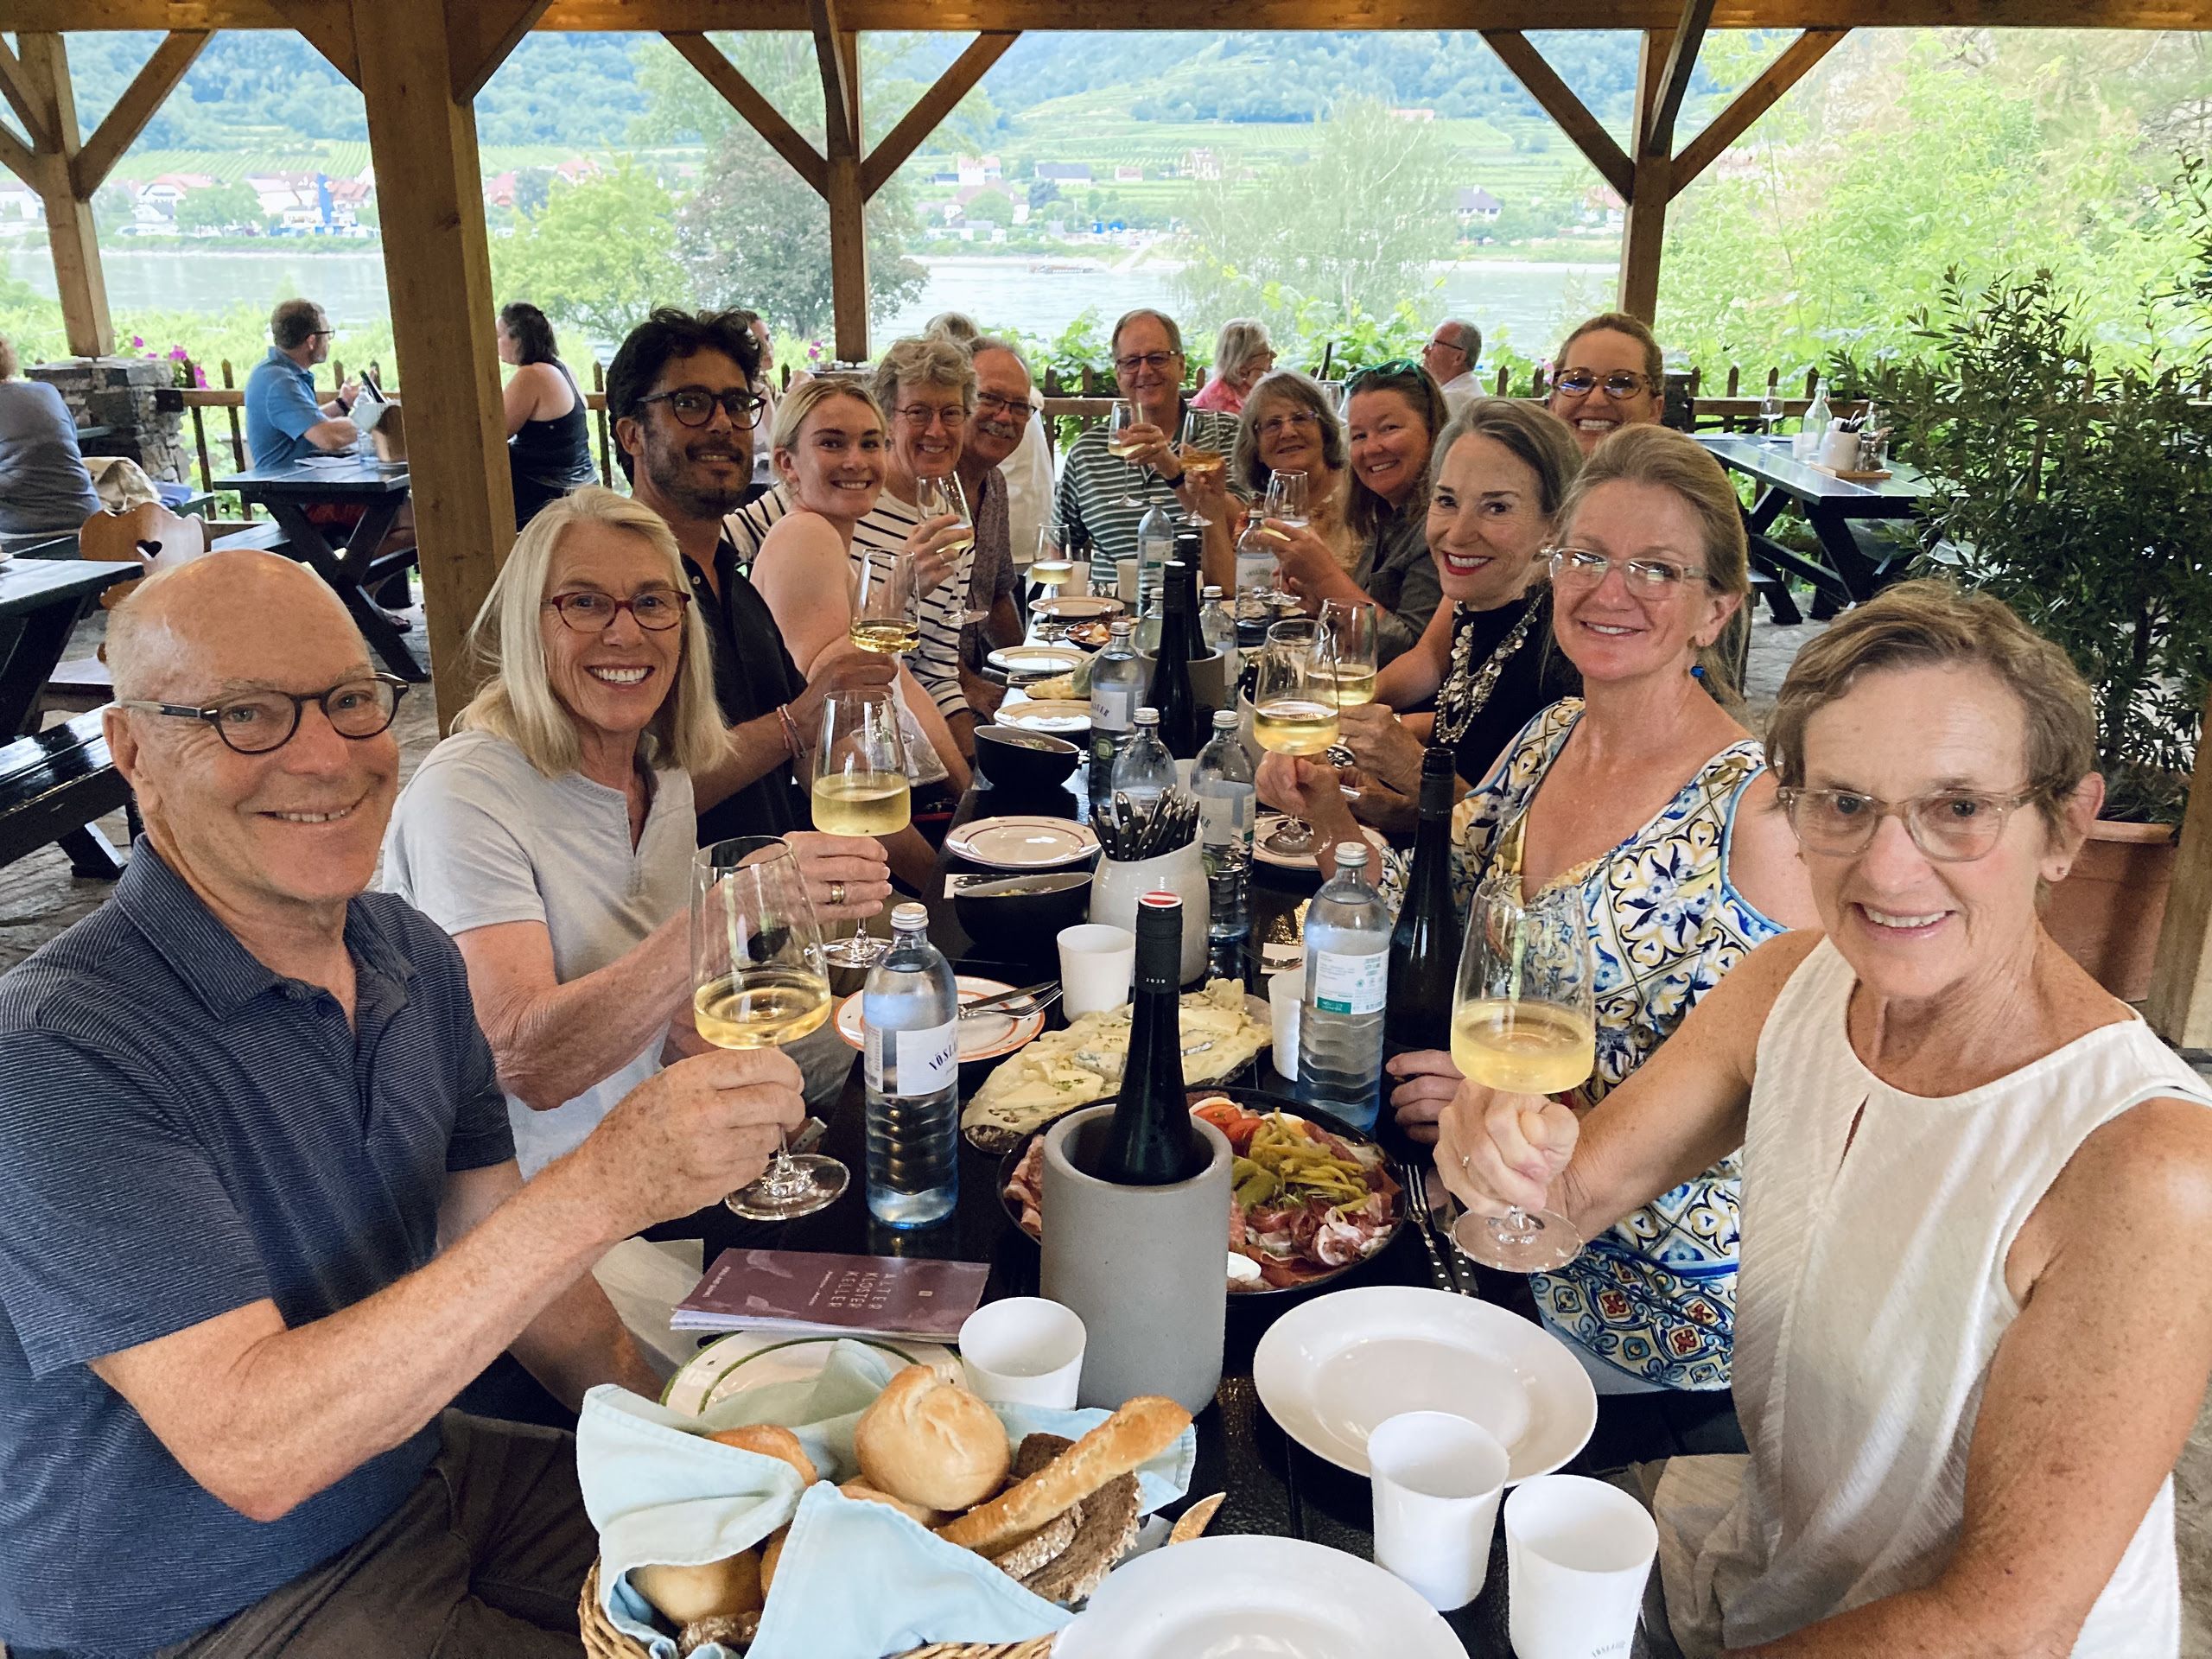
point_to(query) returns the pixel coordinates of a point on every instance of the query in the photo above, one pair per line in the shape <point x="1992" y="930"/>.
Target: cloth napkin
<point x="856" y="1581"/>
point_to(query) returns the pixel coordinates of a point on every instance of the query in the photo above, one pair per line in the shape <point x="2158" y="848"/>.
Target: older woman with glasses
<point x="551" y="834"/>
<point x="1963" y="1387"/>
<point x="1288" y="425"/>
<point x="1647" y="800"/>
<point x="1609" y="374"/>
<point x="1392" y="414"/>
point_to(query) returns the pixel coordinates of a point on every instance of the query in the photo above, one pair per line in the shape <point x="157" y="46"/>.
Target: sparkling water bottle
<point x="1117" y="686"/>
<point x="1218" y="630"/>
<point x="1222" y="782"/>
<point x="910" y="1018"/>
<point x="1145" y="771"/>
<point x="1347" y="977"/>
<point x="1155" y="546"/>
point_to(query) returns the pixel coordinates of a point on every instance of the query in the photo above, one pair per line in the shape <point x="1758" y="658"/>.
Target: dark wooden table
<point x="41" y="602"/>
<point x="353" y="570"/>
<point x="1273" y="1486"/>
<point x="1828" y="504"/>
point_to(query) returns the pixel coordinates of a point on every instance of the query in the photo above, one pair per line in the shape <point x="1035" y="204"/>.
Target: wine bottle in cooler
<point x="1347" y="980"/>
<point x="909" y="1029"/>
<point x="1150" y="1142"/>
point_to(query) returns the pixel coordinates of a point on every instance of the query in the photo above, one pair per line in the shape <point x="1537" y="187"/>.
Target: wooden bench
<point x="54" y="786"/>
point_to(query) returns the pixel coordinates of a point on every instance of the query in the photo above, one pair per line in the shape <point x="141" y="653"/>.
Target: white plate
<point x="747" y="1359"/>
<point x="1038" y="659"/>
<point x="1078" y="607"/>
<point x="1330" y="1369"/>
<point x="1264" y="826"/>
<point x="1255" y="1598"/>
<point x="1046" y="715"/>
<point x="1023" y="844"/>
<point x="985" y="1037"/>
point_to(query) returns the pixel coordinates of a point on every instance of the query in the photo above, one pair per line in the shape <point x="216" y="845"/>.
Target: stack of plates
<point x="1023" y="844"/>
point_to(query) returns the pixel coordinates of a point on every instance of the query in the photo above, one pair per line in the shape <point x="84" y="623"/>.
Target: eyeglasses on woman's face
<point x="695" y="405"/>
<point x="1579" y="567"/>
<point x="1620" y="385"/>
<point x="1951" y="826"/>
<point x="656" y="610"/>
<point x="1296" y="420"/>
<point x="254" y="722"/>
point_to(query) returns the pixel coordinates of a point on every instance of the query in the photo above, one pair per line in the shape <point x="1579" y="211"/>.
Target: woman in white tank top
<point x="1963" y="1386"/>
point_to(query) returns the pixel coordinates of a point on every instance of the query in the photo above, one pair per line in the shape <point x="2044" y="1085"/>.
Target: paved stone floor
<point x="39" y="898"/>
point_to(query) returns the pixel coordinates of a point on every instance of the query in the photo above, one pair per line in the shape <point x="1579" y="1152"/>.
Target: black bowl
<point x="1025" y="926"/>
<point x="1026" y="761"/>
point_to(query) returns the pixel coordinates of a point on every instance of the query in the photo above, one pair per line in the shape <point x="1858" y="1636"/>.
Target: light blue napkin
<point x="856" y="1581"/>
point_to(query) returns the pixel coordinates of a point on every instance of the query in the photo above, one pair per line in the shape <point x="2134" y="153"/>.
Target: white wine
<point x="1294" y="726"/>
<point x="861" y="803"/>
<point x="1355" y="685"/>
<point x="1120" y="447"/>
<point x="1204" y="460"/>
<point x="1523" y="1047"/>
<point x="1050" y="573"/>
<point x="772" y="1006"/>
<point x="963" y="539"/>
<point x="887" y="638"/>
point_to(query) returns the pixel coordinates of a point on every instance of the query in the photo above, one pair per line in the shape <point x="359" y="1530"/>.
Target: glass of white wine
<point x="886" y="609"/>
<point x="760" y="983"/>
<point x="1294" y="708"/>
<point x="1199" y="455"/>
<point x="1285" y="500"/>
<point x="1118" y="422"/>
<point x="860" y="788"/>
<point x="1353" y="633"/>
<point x="1524" y="1021"/>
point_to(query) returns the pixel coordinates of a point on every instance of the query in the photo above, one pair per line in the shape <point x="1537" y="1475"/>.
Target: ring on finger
<point x="837" y="892"/>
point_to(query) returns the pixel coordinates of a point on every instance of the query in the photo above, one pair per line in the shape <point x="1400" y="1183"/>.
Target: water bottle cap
<point x="910" y="918"/>
<point x="1147" y="716"/>
<point x="1224" y="720"/>
<point x="1352" y="856"/>
<point x="1212" y="592"/>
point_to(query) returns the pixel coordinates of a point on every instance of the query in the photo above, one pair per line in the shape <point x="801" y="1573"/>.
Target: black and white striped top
<point x="1093" y="486"/>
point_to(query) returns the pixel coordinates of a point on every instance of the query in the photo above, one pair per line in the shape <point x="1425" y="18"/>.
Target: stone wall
<point x="118" y="393"/>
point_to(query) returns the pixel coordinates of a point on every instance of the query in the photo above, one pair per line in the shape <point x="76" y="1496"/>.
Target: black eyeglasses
<point x="1619" y="385"/>
<point x="656" y="610"/>
<point x="695" y="405"/>
<point x="256" y="722"/>
<point x="1136" y="361"/>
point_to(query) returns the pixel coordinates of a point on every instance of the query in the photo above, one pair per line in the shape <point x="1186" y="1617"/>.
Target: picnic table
<point x="60" y="781"/>
<point x="1274" y="1486"/>
<point x="1830" y="504"/>
<point x="353" y="570"/>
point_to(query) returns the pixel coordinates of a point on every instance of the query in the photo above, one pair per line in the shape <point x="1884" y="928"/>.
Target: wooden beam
<point x="1656" y="132"/>
<point x="1754" y="101"/>
<point x="759" y="114"/>
<point x="932" y="107"/>
<point x="438" y="267"/>
<point x="841" y="91"/>
<point x="140" y="100"/>
<point x="1644" y="233"/>
<point x="15" y="85"/>
<point x="849" y="218"/>
<point x="484" y="32"/>
<point x="71" y="233"/>
<point x="1584" y="130"/>
<point x="2179" y="1006"/>
<point x="17" y="158"/>
<point x="328" y="27"/>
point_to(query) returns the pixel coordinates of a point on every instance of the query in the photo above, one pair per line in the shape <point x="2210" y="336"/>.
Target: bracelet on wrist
<point x="792" y="746"/>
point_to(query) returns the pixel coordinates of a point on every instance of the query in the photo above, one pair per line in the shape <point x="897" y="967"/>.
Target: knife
<point x="984" y="1004"/>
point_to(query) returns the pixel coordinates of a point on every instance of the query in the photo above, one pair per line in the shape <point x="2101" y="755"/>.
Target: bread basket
<point x="603" y="1641"/>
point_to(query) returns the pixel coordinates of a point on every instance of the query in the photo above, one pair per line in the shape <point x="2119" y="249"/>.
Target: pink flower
<point x="139" y="342"/>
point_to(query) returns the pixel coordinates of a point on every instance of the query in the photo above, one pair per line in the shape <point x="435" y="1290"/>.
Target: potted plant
<point x="2076" y="483"/>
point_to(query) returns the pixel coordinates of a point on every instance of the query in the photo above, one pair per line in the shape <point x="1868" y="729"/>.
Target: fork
<point x="1444" y="1271"/>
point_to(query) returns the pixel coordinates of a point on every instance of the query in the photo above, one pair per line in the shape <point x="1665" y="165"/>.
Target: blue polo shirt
<point x="279" y="408"/>
<point x="182" y="1133"/>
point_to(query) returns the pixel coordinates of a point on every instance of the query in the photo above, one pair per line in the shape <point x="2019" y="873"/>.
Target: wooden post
<point x="2179" y="1006"/>
<point x="848" y="197"/>
<point x="1644" y="233"/>
<point x="438" y="267"/>
<point x="70" y="230"/>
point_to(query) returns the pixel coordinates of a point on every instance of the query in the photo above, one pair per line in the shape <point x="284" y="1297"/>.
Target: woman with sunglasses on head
<point x="1647" y="799"/>
<point x="1977" y="1189"/>
<point x="1392" y="416"/>
<point x="1609" y="374"/>
<point x="551" y="834"/>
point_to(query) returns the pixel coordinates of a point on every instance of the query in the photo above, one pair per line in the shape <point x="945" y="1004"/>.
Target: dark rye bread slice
<point x="1104" y="1531"/>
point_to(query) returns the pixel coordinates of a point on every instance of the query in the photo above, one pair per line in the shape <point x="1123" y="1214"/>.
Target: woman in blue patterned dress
<point x="1649" y="797"/>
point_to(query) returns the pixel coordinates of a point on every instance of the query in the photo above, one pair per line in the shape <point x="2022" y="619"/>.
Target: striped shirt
<point x="1093" y="486"/>
<point x="880" y="537"/>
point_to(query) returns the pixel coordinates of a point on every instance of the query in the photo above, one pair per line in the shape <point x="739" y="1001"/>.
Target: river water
<point x="1524" y="301"/>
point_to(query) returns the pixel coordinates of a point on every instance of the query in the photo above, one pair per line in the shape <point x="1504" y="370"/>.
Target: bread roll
<point x="683" y="1595"/>
<point x="771" y="1555"/>
<point x="868" y="1494"/>
<point x="769" y="1441"/>
<point x="1139" y="1431"/>
<point x="931" y="1443"/>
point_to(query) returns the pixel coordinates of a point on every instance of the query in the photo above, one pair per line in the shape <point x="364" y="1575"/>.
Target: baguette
<point x="1139" y="1431"/>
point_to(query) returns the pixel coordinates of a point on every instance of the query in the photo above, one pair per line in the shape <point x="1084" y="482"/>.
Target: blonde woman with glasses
<point x="551" y="834"/>
<point x="1647" y="799"/>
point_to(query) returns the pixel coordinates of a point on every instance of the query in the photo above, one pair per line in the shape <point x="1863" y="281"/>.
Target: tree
<point x="221" y="207"/>
<point x="598" y="256"/>
<point x="990" y="207"/>
<point x="755" y="234"/>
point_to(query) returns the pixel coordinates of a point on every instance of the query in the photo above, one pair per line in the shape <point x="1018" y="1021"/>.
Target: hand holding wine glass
<point x="1499" y="1152"/>
<point x="691" y="1133"/>
<point x="861" y="788"/>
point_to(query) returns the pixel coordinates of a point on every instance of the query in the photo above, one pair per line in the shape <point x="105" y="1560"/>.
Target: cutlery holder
<point x="1145" y="1268"/>
<point x="1119" y="884"/>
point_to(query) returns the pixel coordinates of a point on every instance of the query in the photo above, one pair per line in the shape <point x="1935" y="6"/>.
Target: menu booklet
<point x="806" y="1293"/>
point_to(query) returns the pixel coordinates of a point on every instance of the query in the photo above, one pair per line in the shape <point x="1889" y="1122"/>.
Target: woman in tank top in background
<point x="1977" y="1190"/>
<point x="549" y="436"/>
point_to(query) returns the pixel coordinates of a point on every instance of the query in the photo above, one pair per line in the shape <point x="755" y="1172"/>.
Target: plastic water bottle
<point x="1117" y="686"/>
<point x="1222" y="782"/>
<point x="1217" y="629"/>
<point x="1145" y="771"/>
<point x="1347" y="979"/>
<point x="910" y="1020"/>
<point x="1155" y="546"/>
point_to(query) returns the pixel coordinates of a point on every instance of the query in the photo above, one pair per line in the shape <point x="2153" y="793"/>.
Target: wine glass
<point x="1198" y="455"/>
<point x="1351" y="630"/>
<point x="1124" y="416"/>
<point x="936" y="497"/>
<point x="1524" y="1021"/>
<point x="1294" y="709"/>
<point x="886" y="609"/>
<point x="860" y="788"/>
<point x="760" y="982"/>
<point x="1771" y="409"/>
<point x="1285" y="499"/>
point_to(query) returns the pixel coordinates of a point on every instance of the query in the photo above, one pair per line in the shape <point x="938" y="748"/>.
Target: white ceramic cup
<point x="1286" y="996"/>
<point x="1577" y="1554"/>
<point x="1438" y="1482"/>
<point x="1098" y="963"/>
<point x="1023" y="1350"/>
